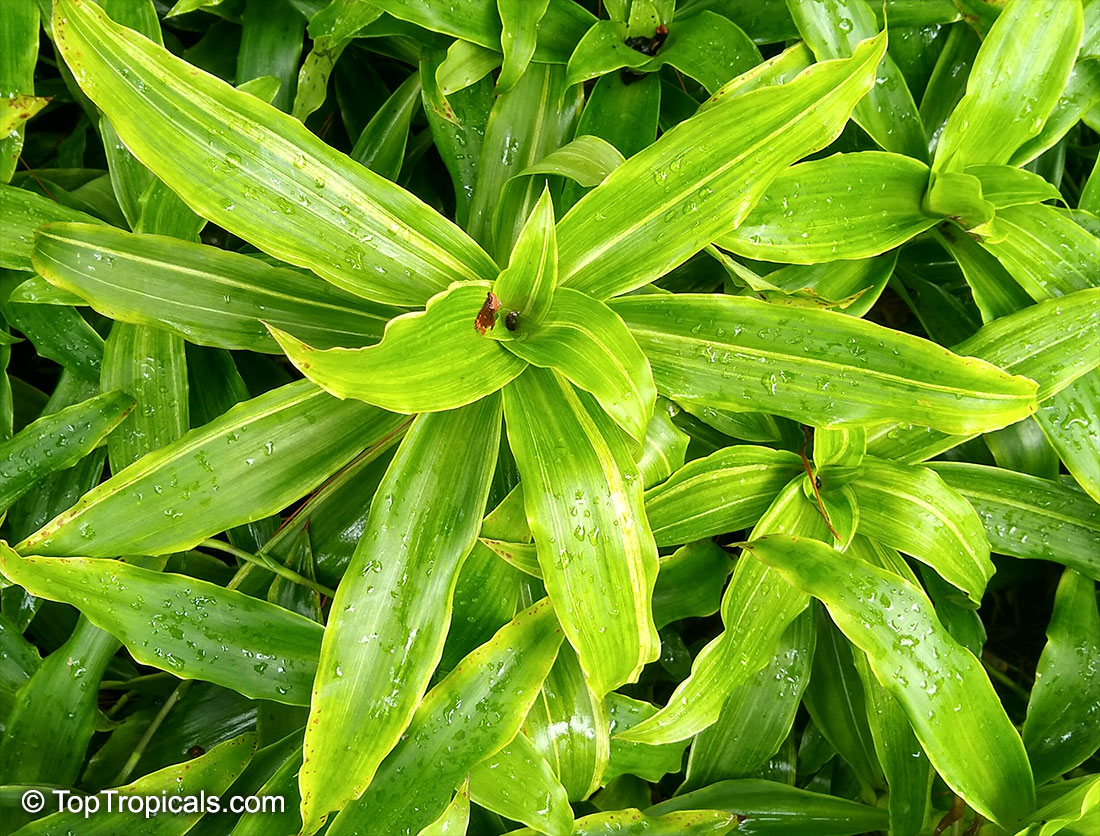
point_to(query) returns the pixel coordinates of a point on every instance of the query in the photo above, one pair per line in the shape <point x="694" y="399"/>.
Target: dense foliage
<point x="637" y="416"/>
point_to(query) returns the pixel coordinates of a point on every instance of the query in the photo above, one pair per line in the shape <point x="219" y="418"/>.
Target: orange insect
<point x="487" y="316"/>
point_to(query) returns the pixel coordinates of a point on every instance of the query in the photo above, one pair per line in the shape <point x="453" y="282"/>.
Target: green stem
<point x="127" y="684"/>
<point x="265" y="562"/>
<point x="139" y="750"/>
<point x="1006" y="681"/>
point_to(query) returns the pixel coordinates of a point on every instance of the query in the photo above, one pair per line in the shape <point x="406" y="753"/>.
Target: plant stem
<point x="265" y="562"/>
<point x="1006" y="681"/>
<point x="139" y="750"/>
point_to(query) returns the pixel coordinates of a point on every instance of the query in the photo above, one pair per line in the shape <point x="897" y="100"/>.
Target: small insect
<point x="195" y="751"/>
<point x="511" y="320"/>
<point x="487" y="317"/>
<point x="648" y="46"/>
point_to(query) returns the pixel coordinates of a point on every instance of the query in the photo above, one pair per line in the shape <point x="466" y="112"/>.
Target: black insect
<point x="195" y="751"/>
<point x="646" y="46"/>
<point x="511" y="320"/>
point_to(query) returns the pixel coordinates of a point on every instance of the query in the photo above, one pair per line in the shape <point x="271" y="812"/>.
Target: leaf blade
<point x="599" y="561"/>
<point x="299" y="420"/>
<point x="378" y="240"/>
<point x="663" y="205"/>
<point x="955" y="702"/>
<point x="403" y="372"/>
<point x="788" y="354"/>
<point x="196" y="623"/>
<point x="395" y="596"/>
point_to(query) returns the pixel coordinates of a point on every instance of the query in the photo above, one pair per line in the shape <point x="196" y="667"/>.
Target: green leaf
<point x="995" y="292"/>
<point x="603" y="50"/>
<point x="673" y="198"/>
<point x="427" y="361"/>
<point x="189" y="627"/>
<point x="664" y="447"/>
<point x="19" y="46"/>
<point x="175" y="787"/>
<point x="951" y="705"/>
<point x="888" y="112"/>
<point x="689" y="582"/>
<point x="649" y="762"/>
<point x="300" y="200"/>
<point x="633" y="822"/>
<point x="149" y="365"/>
<point x="708" y="47"/>
<point x="331" y="30"/>
<point x="1028" y="517"/>
<point x="454" y="820"/>
<point x="532" y="119"/>
<point x="1018" y="76"/>
<point x="758" y="714"/>
<point x="1062" y="728"/>
<point x="1071" y="421"/>
<point x="519" y="34"/>
<point x="587" y="343"/>
<point x="54" y="713"/>
<point x="526" y="285"/>
<point x="568" y="726"/>
<point x="840" y="448"/>
<point x="18" y="661"/>
<point x="458" y="133"/>
<point x="21" y="214"/>
<point x="1078" y="798"/>
<point x="206" y="295"/>
<point x="624" y="115"/>
<point x="390" y="615"/>
<point x="850" y="286"/>
<point x="726" y="491"/>
<point x="804" y="218"/>
<point x="1081" y="94"/>
<point x="781" y="810"/>
<point x="470" y="715"/>
<point x="911" y="509"/>
<point x="37" y="291"/>
<point x="907" y="770"/>
<point x="59" y="333"/>
<point x="1046" y="252"/>
<point x="817" y="367"/>
<point x="1057" y="336"/>
<point x="271" y="46"/>
<point x="959" y="195"/>
<point x="588" y="160"/>
<point x="60" y="490"/>
<point x="478" y="21"/>
<point x="465" y="64"/>
<point x="1004" y="186"/>
<point x="381" y="145"/>
<point x="519" y="784"/>
<point x="583" y="495"/>
<point x="776" y="70"/>
<point x="164" y="502"/>
<point x="485" y="598"/>
<point x="836" y="702"/>
<point x="57" y="441"/>
<point x="756" y="609"/>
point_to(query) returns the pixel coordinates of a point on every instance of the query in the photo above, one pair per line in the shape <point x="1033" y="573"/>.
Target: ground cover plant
<point x="538" y="416"/>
